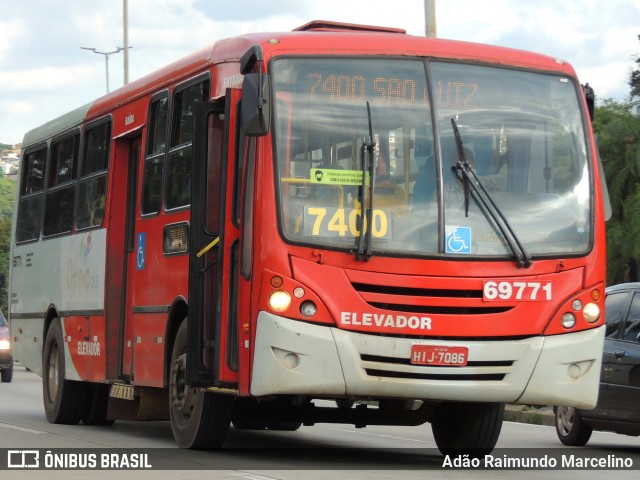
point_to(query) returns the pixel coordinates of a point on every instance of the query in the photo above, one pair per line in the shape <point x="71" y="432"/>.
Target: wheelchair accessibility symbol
<point x="141" y="250"/>
<point x="458" y="239"/>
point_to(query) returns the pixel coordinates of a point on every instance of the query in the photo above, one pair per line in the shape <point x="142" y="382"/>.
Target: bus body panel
<point x="27" y="341"/>
<point x="85" y="348"/>
<point x="149" y="338"/>
<point x="77" y="263"/>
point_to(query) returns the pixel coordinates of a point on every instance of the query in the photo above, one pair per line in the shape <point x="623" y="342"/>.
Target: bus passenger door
<point x="212" y="348"/>
<point x="127" y="339"/>
<point x="121" y="257"/>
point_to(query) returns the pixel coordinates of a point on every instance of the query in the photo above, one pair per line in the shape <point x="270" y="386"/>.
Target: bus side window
<point x="31" y="195"/>
<point x="92" y="202"/>
<point x="60" y="197"/>
<point x="154" y="160"/>
<point x="93" y="183"/>
<point x="178" y="172"/>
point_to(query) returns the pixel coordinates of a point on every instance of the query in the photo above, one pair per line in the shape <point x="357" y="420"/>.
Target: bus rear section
<point x="340" y="224"/>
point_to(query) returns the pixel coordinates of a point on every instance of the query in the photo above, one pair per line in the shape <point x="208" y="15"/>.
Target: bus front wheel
<point x="64" y="400"/>
<point x="199" y="419"/>
<point x="467" y="428"/>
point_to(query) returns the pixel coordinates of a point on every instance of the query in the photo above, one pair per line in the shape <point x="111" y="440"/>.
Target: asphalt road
<point x="321" y="451"/>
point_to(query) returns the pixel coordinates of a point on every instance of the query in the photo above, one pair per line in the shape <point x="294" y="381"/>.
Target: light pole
<point x="430" y="18"/>
<point x="106" y="59"/>
<point x="125" y="30"/>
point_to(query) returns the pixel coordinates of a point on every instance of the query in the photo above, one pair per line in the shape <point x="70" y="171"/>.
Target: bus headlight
<point x="568" y="320"/>
<point x="308" y="309"/>
<point x="279" y="301"/>
<point x="591" y="312"/>
<point x="4" y="344"/>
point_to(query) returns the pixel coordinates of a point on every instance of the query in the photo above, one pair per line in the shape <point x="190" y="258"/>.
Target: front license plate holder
<point x="439" y="355"/>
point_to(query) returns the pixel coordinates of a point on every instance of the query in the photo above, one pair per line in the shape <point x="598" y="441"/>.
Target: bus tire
<point x="64" y="400"/>
<point x="6" y="375"/>
<point x="97" y="404"/>
<point x="199" y="419"/>
<point x="570" y="428"/>
<point x="467" y="428"/>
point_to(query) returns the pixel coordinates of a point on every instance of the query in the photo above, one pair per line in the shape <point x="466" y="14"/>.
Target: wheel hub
<point x="182" y="396"/>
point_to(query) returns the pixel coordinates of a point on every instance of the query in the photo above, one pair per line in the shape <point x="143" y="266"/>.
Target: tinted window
<point x="152" y="186"/>
<point x="178" y="175"/>
<point x="60" y="199"/>
<point x="31" y="196"/>
<point x="179" y="178"/>
<point x="96" y="151"/>
<point x="92" y="188"/>
<point x="92" y="199"/>
<point x="614" y="308"/>
<point x="154" y="162"/>
<point x="64" y="158"/>
<point x="157" y="126"/>
<point x="182" y="128"/>
<point x="58" y="214"/>
<point x="632" y="325"/>
<point x="29" y="218"/>
<point x="33" y="171"/>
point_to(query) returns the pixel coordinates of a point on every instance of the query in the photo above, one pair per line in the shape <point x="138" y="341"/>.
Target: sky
<point x="44" y="72"/>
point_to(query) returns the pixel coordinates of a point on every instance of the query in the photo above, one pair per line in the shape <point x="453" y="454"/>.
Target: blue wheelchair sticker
<point x="457" y="239"/>
<point x="141" y="250"/>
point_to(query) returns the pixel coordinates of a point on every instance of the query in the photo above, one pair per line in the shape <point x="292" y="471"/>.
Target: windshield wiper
<point x="473" y="187"/>
<point x="367" y="161"/>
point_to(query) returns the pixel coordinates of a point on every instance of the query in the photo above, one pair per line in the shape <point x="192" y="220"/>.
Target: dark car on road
<point x="618" y="408"/>
<point x="6" y="360"/>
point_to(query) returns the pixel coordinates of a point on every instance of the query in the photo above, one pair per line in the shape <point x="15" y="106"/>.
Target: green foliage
<point x="7" y="195"/>
<point x="634" y="78"/>
<point x="618" y="130"/>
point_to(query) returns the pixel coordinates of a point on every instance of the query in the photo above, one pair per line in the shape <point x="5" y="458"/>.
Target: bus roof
<point x="336" y="39"/>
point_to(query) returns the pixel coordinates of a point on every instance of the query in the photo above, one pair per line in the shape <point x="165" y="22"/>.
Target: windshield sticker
<point x="331" y="176"/>
<point x="458" y="239"/>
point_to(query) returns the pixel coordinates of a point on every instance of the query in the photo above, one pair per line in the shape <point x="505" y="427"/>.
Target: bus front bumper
<point x="297" y="358"/>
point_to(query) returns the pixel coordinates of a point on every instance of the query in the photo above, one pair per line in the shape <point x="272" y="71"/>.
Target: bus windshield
<point x="522" y="133"/>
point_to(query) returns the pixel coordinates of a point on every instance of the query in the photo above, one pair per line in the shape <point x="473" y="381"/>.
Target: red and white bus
<point x="341" y="223"/>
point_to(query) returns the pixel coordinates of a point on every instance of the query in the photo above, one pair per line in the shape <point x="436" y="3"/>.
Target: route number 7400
<point x="514" y="290"/>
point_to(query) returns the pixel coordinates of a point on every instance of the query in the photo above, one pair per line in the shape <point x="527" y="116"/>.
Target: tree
<point x="618" y="130"/>
<point x="634" y="78"/>
<point x="5" y="243"/>
<point x="7" y="195"/>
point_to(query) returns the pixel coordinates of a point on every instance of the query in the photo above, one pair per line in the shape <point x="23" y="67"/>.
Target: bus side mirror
<point x="590" y="97"/>
<point x="255" y="108"/>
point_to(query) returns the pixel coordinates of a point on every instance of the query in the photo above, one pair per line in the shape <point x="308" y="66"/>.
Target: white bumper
<point x="292" y="357"/>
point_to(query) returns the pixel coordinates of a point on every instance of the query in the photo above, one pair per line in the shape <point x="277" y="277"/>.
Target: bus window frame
<point x="57" y="140"/>
<point x="69" y="184"/>
<point x="179" y="147"/>
<point x="84" y="178"/>
<point x="161" y="156"/>
<point x="44" y="145"/>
